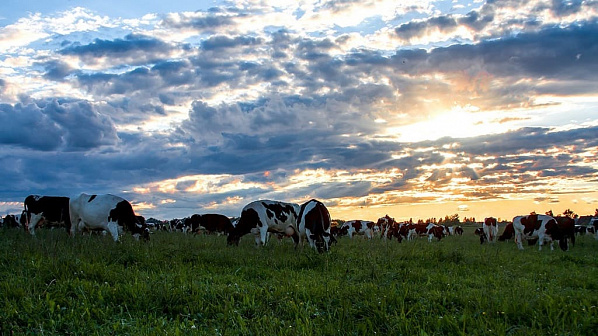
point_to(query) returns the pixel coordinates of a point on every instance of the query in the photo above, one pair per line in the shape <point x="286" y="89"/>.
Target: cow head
<point x="141" y="228"/>
<point x="554" y="231"/>
<point x="322" y="241"/>
<point x="233" y="238"/>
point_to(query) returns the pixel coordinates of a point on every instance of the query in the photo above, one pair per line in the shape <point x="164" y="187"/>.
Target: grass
<point x="179" y="285"/>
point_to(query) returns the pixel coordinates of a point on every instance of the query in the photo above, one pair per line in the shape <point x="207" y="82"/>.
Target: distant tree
<point x="549" y="213"/>
<point x="569" y="213"/>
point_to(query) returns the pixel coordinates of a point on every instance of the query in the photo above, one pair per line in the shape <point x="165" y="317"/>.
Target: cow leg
<point x="112" y="227"/>
<point x="308" y="234"/>
<point x="74" y="226"/>
<point x="264" y="234"/>
<point x="518" y="240"/>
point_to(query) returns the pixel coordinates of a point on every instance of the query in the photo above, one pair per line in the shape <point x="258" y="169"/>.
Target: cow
<point x="10" y="221"/>
<point x="580" y="230"/>
<point x="263" y="216"/>
<point x="50" y="210"/>
<point x="386" y="224"/>
<point x="107" y="212"/>
<point x="480" y="232"/>
<point x="430" y="230"/>
<point x="542" y="227"/>
<point x="335" y="231"/>
<point x="490" y="228"/>
<point x="458" y="230"/>
<point x="179" y="225"/>
<point x="566" y="226"/>
<point x="314" y="224"/>
<point x="359" y="227"/>
<point x="399" y="231"/>
<point x="391" y="228"/>
<point x="508" y="232"/>
<point x="210" y="223"/>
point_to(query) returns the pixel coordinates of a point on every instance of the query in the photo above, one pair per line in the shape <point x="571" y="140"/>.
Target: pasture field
<point x="195" y="285"/>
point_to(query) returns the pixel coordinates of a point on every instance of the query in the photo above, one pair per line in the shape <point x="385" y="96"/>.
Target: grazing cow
<point x="542" y="227"/>
<point x="490" y="227"/>
<point x="458" y="230"/>
<point x="398" y="230"/>
<point x="107" y="212"/>
<point x="566" y="226"/>
<point x="359" y="227"/>
<point x="314" y="224"/>
<point x="508" y="233"/>
<point x="261" y="217"/>
<point x="179" y="225"/>
<point x="431" y="230"/>
<point x="51" y="210"/>
<point x="335" y="231"/>
<point x="480" y="232"/>
<point x="210" y="223"/>
<point x="580" y="230"/>
<point x="386" y="224"/>
<point x="10" y="221"/>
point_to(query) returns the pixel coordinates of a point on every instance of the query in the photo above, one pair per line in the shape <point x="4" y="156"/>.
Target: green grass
<point x="181" y="285"/>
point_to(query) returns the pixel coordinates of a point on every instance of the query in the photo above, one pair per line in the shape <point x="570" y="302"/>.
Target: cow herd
<point x="309" y="222"/>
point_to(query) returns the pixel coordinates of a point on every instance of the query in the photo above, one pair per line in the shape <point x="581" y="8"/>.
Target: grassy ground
<point x="177" y="284"/>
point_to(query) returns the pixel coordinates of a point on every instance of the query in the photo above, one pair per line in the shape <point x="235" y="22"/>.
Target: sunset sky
<point x="414" y="109"/>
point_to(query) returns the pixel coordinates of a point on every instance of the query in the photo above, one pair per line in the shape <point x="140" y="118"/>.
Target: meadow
<point x="180" y="284"/>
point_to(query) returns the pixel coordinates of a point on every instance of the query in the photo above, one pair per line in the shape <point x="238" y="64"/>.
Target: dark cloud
<point x="56" y="70"/>
<point x="49" y="125"/>
<point x="221" y="42"/>
<point x="566" y="7"/>
<point x="417" y="28"/>
<point x="132" y="49"/>
<point x="215" y="20"/>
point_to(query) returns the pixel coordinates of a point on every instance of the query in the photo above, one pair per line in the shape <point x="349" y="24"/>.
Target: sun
<point x="458" y="122"/>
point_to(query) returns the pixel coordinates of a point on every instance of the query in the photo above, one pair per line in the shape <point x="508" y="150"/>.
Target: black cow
<point x="10" y="221"/>
<point x="210" y="223"/>
<point x="46" y="210"/>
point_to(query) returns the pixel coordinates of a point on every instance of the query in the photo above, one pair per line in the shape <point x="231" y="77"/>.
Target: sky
<point x="416" y="109"/>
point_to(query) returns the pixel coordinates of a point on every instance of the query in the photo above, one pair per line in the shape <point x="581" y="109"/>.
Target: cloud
<point x="56" y="125"/>
<point x="133" y="49"/>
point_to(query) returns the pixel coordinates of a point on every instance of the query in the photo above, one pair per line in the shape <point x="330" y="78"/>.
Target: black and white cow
<point x="107" y="212"/>
<point x="314" y="224"/>
<point x="264" y="216"/>
<point x="544" y="228"/>
<point x="50" y="210"/>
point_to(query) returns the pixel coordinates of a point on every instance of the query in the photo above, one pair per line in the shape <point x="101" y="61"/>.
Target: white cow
<point x="264" y="216"/>
<point x="106" y="212"/>
<point x="490" y="228"/>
